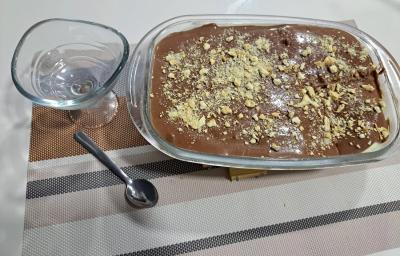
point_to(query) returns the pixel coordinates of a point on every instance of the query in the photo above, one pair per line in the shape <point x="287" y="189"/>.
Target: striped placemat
<point x="74" y="206"/>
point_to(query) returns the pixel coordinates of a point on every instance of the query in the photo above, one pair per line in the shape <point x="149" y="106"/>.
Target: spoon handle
<point x="90" y="146"/>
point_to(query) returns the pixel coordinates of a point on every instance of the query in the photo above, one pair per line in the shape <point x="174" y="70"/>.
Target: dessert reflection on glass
<point x="288" y="91"/>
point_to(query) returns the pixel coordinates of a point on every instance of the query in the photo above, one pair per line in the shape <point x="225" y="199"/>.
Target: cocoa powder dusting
<point x="279" y="91"/>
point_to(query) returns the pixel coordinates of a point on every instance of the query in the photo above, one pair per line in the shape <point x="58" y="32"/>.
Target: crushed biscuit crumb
<point x="275" y="147"/>
<point x="368" y="87"/>
<point x="333" y="69"/>
<point x="226" y="110"/>
<point x="296" y="120"/>
<point x="212" y="123"/>
<point x="306" y="52"/>
<point x="277" y="81"/>
<point x="229" y="38"/>
<point x="250" y="103"/>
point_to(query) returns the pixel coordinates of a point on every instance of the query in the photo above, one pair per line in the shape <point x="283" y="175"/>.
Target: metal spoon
<point x="140" y="193"/>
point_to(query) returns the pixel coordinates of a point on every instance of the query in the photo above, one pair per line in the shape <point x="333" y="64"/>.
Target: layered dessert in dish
<point x="287" y="91"/>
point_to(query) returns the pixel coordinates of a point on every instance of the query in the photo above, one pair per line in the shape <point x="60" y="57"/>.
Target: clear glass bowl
<point x="139" y="87"/>
<point x="71" y="64"/>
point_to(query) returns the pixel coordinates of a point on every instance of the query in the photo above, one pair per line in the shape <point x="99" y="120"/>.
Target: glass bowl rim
<point x="105" y="88"/>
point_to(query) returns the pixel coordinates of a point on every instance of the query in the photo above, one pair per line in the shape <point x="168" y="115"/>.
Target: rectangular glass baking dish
<point x="139" y="87"/>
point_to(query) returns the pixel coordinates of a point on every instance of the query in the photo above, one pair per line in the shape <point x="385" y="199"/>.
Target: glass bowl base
<point x="98" y="114"/>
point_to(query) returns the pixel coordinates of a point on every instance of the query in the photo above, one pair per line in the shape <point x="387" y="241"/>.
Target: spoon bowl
<point x="141" y="193"/>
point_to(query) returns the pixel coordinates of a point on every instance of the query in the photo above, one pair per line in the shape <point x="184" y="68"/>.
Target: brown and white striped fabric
<point x="74" y="206"/>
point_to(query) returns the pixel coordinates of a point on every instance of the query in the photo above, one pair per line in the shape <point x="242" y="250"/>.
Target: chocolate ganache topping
<point x="288" y="91"/>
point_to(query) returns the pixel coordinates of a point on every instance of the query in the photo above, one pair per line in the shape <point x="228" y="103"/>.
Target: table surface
<point x="381" y="19"/>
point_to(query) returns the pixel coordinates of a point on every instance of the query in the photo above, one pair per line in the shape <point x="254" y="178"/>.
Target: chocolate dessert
<point x="290" y="91"/>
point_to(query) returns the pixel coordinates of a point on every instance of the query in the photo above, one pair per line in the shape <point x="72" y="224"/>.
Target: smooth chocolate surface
<point x="279" y="91"/>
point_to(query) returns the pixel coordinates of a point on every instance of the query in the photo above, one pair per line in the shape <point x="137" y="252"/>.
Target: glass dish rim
<point x="79" y="101"/>
<point x="245" y="161"/>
